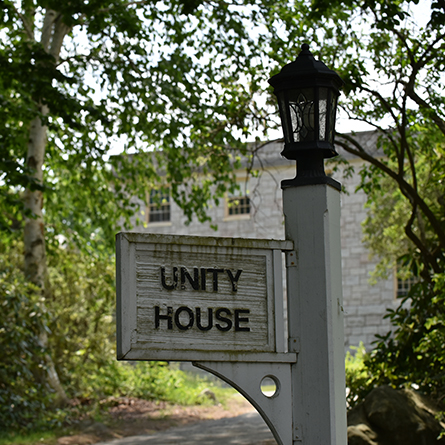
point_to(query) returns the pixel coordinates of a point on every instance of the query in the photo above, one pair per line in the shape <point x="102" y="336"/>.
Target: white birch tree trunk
<point x="34" y="235"/>
<point x="53" y="32"/>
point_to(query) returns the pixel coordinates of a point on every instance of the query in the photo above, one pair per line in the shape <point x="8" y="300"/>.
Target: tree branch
<point x="383" y="101"/>
<point x="410" y="85"/>
<point x="28" y="27"/>
<point x="424" y="58"/>
<point x="421" y="245"/>
<point x="60" y="31"/>
<point x="124" y="5"/>
<point x="406" y="188"/>
<point x="404" y="43"/>
<point x="423" y="104"/>
<point x="47" y="28"/>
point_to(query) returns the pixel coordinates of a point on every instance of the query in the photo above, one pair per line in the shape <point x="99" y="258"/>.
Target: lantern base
<point x="298" y="150"/>
<point x="300" y="181"/>
<point x="310" y="171"/>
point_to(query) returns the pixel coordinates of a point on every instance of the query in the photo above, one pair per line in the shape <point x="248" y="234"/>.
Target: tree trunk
<point x="34" y="234"/>
<point x="53" y="32"/>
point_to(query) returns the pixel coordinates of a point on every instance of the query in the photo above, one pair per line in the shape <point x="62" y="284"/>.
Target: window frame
<point x="154" y="208"/>
<point x="242" y="194"/>
<point x="402" y="286"/>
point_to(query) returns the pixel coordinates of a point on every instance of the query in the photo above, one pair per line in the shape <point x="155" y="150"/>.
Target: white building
<point x="257" y="213"/>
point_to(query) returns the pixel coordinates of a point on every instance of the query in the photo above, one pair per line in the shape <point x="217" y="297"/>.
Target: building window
<point x="159" y="206"/>
<point x="404" y="281"/>
<point x="405" y="285"/>
<point x="238" y="203"/>
<point x="238" y="206"/>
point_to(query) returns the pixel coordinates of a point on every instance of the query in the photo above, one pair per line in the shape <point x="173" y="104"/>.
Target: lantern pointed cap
<point x="305" y="71"/>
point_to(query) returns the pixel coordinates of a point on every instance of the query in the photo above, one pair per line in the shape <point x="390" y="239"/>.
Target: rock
<point x="360" y="431"/>
<point x="361" y="435"/>
<point x="207" y="393"/>
<point x="394" y="417"/>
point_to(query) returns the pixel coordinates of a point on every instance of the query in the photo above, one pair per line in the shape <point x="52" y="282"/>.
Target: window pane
<point x="404" y="286"/>
<point x="238" y="206"/>
<point x="159" y="206"/>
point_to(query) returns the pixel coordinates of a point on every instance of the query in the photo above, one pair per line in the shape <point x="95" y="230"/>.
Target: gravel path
<point x="246" y="429"/>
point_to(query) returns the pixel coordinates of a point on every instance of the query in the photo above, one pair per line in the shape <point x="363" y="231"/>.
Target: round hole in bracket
<point x="270" y="386"/>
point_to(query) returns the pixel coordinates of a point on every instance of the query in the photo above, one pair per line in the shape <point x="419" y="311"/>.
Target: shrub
<point x="23" y="393"/>
<point x="358" y="379"/>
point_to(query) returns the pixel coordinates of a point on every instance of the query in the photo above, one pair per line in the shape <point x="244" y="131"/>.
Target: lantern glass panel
<point x="286" y="122"/>
<point x="332" y="115"/>
<point x="308" y="114"/>
<point x="323" y="111"/>
<point x="302" y="112"/>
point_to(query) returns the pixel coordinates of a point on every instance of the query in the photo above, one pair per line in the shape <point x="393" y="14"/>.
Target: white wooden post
<point x="315" y="314"/>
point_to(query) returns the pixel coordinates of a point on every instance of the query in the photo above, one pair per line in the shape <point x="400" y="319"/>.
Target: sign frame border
<point x="126" y="314"/>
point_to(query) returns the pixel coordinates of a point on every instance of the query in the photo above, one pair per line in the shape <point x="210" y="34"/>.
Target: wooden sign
<point x="199" y="298"/>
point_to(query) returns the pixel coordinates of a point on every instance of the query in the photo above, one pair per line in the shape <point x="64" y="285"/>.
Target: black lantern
<point x="307" y="92"/>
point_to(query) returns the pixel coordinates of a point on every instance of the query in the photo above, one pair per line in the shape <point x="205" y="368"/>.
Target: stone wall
<point x="364" y="304"/>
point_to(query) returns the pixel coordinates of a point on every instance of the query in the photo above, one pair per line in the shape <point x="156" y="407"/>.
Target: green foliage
<point x="358" y="379"/>
<point x="22" y="389"/>
<point x="26" y="438"/>
<point x="408" y="235"/>
<point x="150" y="381"/>
<point x="80" y="297"/>
<point x="397" y="228"/>
<point x="143" y="78"/>
<point x="413" y="353"/>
